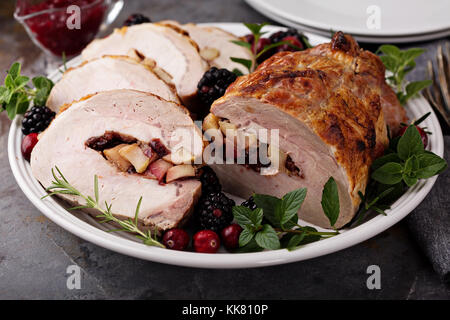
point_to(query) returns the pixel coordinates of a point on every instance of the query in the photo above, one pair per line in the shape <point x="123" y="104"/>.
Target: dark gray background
<point x="34" y="252"/>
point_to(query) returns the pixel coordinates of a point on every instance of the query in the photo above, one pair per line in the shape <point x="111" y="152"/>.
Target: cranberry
<point x="423" y="134"/>
<point x="262" y="42"/>
<point x="28" y="143"/>
<point x="230" y="236"/>
<point x="206" y="241"/>
<point x="176" y="239"/>
<point x="294" y="41"/>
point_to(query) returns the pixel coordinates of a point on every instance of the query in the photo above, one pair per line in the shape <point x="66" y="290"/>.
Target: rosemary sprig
<point x="61" y="186"/>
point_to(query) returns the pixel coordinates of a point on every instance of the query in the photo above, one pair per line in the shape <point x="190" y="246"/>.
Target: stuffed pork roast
<point x="137" y="143"/>
<point x="216" y="46"/>
<point x="171" y="49"/>
<point x="107" y="73"/>
<point x="326" y="104"/>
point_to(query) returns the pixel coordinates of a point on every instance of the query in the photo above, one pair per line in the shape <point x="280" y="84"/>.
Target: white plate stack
<point x="374" y="21"/>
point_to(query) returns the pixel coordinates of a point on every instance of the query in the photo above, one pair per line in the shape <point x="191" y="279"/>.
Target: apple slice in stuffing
<point x="114" y="156"/>
<point x="180" y="171"/>
<point x="136" y="156"/>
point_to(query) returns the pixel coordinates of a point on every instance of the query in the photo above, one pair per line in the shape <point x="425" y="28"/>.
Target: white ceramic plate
<point x="421" y="20"/>
<point x="89" y="229"/>
<point x="362" y="38"/>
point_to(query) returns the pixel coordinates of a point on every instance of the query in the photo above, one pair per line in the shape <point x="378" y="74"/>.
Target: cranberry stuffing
<point x="206" y="241"/>
<point x="176" y="239"/>
<point x="28" y="143"/>
<point x="230" y="236"/>
<point x="422" y="132"/>
<point x="294" y="41"/>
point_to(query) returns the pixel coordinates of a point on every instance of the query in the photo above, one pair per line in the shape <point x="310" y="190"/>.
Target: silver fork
<point x="438" y="95"/>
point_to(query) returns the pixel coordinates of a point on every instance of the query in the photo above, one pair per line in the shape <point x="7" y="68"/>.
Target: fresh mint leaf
<point x="245" y="62"/>
<point x="246" y="217"/>
<point x="410" y="143"/>
<point x="246" y="236"/>
<point x="415" y="87"/>
<point x="295" y="240"/>
<point x="429" y="165"/>
<point x="43" y="86"/>
<point x="9" y="82"/>
<point x="390" y="50"/>
<point x="391" y="157"/>
<point x="330" y="201"/>
<point x="14" y="71"/>
<point x="242" y="43"/>
<point x="389" y="173"/>
<point x="20" y="82"/>
<point x="410" y="180"/>
<point x="411" y="165"/>
<point x="290" y="204"/>
<point x="399" y="63"/>
<point x="267" y="238"/>
<point x="242" y="215"/>
<point x="269" y="205"/>
<point x="255" y="28"/>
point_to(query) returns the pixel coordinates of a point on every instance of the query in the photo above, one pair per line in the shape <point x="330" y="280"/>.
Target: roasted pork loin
<point x="216" y="45"/>
<point x="73" y="142"/>
<point x="171" y="49"/>
<point x="107" y="73"/>
<point x="326" y="104"/>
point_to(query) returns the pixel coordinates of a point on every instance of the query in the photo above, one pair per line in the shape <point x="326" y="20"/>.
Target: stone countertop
<point x="35" y="253"/>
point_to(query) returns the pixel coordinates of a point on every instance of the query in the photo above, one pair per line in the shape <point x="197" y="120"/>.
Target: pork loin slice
<point x="215" y="45"/>
<point x="325" y="102"/>
<point x="108" y="73"/>
<point x="133" y="114"/>
<point x="173" y="51"/>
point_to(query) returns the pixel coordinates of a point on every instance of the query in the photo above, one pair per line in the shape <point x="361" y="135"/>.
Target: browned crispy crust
<point x="335" y="90"/>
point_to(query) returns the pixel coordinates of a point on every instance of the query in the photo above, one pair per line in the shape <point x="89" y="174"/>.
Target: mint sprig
<point x="16" y="95"/>
<point x="274" y="224"/>
<point x="399" y="63"/>
<point x="256" y="30"/>
<point x="409" y="163"/>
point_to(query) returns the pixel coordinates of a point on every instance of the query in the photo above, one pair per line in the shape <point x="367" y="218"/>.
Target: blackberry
<point x="214" y="211"/>
<point x="249" y="203"/>
<point x="136" y="18"/>
<point x="36" y="120"/>
<point x="209" y="180"/>
<point x="213" y="85"/>
<point x="291" y="32"/>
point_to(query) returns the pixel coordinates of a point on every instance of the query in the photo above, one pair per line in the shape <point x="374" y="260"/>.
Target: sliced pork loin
<point x="215" y="45"/>
<point x="173" y="51"/>
<point x="73" y="143"/>
<point x="108" y="73"/>
<point x="325" y="102"/>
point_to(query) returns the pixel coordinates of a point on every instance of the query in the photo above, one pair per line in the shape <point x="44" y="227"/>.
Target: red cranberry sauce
<point x="51" y="30"/>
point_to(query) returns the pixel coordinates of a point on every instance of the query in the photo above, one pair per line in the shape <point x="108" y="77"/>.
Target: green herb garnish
<point x="399" y="63"/>
<point x="16" y="95"/>
<point x="281" y="220"/>
<point x="61" y="186"/>
<point x="255" y="29"/>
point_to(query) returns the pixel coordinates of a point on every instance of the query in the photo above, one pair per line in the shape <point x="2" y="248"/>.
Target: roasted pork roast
<point x="326" y="104"/>
<point x="173" y="51"/>
<point x="130" y="140"/>
<point x="108" y="73"/>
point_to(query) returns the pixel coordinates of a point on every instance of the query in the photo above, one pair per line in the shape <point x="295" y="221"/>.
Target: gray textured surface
<point x="430" y="223"/>
<point x="35" y="253"/>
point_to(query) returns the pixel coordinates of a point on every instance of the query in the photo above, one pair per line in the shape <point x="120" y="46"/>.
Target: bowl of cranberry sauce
<point x="62" y="26"/>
